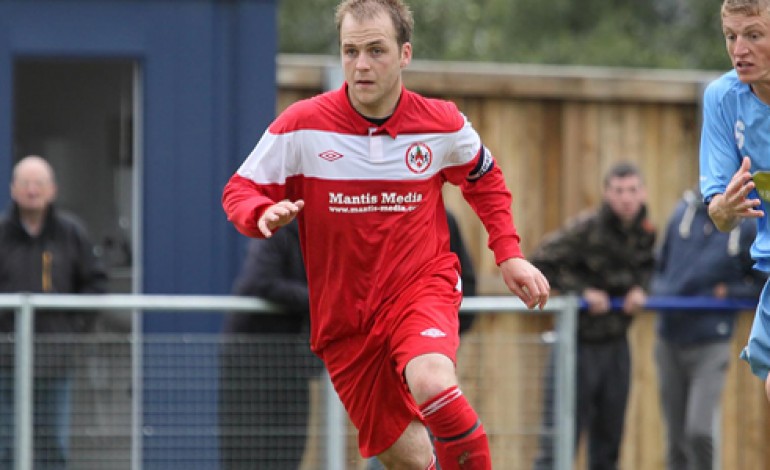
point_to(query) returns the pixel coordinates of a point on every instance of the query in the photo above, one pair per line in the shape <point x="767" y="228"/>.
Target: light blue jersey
<point x="737" y="124"/>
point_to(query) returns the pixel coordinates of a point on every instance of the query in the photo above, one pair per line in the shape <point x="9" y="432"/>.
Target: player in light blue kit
<point x="735" y="150"/>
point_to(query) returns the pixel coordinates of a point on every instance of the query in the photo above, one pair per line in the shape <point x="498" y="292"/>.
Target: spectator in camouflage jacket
<point x="602" y="254"/>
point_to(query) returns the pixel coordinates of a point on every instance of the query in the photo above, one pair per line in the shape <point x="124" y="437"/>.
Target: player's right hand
<point x="526" y="281"/>
<point x="278" y="215"/>
<point x="728" y="208"/>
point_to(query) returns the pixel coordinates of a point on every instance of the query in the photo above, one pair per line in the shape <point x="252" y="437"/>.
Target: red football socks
<point x="458" y="436"/>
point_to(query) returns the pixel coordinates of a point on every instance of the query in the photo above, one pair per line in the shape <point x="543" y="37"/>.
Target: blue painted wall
<point x="208" y="92"/>
<point x="208" y="73"/>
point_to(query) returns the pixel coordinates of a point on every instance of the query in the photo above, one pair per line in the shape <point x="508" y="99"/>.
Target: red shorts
<point x="367" y="369"/>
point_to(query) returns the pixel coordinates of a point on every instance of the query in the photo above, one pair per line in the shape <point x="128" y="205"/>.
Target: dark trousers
<point x="603" y="381"/>
<point x="51" y="416"/>
<point x="691" y="378"/>
<point x="264" y="402"/>
<point x="53" y="389"/>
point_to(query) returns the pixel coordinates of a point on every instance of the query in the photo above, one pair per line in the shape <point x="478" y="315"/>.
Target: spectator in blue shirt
<point x="693" y="347"/>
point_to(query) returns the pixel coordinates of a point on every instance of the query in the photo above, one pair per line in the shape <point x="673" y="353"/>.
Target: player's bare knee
<point x="424" y="390"/>
<point x="428" y="375"/>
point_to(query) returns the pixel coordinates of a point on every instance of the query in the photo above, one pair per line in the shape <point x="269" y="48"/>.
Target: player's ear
<point x="406" y="54"/>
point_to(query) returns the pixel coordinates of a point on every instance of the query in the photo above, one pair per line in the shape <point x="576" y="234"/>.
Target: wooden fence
<point x="554" y="131"/>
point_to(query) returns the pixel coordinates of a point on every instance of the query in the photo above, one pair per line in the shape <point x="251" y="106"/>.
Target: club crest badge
<point x="418" y="157"/>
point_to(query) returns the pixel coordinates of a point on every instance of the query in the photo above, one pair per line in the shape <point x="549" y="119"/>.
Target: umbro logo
<point x="433" y="333"/>
<point x="330" y="155"/>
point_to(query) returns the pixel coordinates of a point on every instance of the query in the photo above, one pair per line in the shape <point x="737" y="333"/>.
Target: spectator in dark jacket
<point x="43" y="250"/>
<point x="604" y="253"/>
<point x="693" y="348"/>
<point x="267" y="362"/>
<point x="468" y="274"/>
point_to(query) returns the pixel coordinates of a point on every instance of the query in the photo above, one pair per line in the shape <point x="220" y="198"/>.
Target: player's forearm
<point x="491" y="200"/>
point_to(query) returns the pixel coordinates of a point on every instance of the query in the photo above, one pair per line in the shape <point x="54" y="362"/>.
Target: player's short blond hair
<point x="745" y="7"/>
<point x="399" y="13"/>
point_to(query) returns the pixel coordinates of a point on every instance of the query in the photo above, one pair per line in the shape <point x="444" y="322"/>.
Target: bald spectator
<point x="43" y="250"/>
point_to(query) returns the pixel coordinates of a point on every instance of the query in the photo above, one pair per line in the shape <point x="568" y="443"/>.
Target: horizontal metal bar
<point x="693" y="303"/>
<point x="490" y="304"/>
<point x="193" y="303"/>
<point x="138" y="302"/>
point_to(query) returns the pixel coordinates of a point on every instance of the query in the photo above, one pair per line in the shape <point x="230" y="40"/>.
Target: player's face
<point x="372" y="62"/>
<point x="748" y="43"/>
<point x="625" y="196"/>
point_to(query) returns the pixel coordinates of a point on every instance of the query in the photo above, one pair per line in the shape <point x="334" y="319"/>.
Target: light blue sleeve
<point x="757" y="351"/>
<point x="719" y="154"/>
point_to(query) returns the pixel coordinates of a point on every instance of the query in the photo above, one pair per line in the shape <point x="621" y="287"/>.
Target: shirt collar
<point x="392" y="126"/>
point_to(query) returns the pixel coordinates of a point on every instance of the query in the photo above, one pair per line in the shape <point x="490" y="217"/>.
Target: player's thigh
<point x="412" y="450"/>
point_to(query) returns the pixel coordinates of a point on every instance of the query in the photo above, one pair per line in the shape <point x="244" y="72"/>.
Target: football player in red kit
<point x="362" y="169"/>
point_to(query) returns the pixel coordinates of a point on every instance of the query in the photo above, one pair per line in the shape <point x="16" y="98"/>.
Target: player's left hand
<point x="526" y="281"/>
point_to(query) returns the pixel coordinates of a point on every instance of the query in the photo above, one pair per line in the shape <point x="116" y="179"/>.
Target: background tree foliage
<point x="675" y="34"/>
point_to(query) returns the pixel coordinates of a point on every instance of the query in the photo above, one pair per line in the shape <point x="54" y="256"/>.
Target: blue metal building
<point x="145" y="108"/>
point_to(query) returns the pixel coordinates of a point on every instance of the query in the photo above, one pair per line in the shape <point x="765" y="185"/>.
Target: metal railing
<point x="564" y="308"/>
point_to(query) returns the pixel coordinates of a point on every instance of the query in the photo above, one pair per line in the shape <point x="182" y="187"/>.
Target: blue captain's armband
<point x="483" y="166"/>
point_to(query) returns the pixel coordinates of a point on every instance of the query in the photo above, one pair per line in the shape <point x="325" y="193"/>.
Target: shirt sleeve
<point x="259" y="182"/>
<point x="483" y="186"/>
<point x="719" y="157"/>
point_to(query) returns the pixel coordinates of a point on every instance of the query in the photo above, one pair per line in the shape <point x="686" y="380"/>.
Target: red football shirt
<point x="374" y="219"/>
